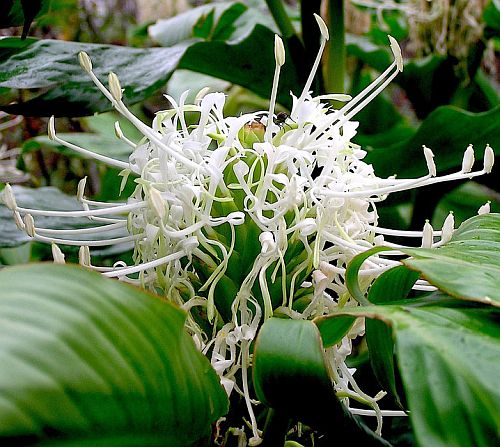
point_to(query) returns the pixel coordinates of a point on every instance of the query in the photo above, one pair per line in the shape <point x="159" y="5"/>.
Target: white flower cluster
<point x="235" y="217"/>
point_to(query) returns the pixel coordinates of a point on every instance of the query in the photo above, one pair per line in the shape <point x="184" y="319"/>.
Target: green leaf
<point x="21" y="12"/>
<point x="468" y="267"/>
<point x="447" y="131"/>
<point x="393" y="285"/>
<point x="65" y="89"/>
<point x="208" y="22"/>
<point x="291" y="376"/>
<point x="449" y="360"/>
<point x="332" y="331"/>
<point x="46" y="198"/>
<point x="91" y="361"/>
<point x="491" y="16"/>
<point x="237" y="63"/>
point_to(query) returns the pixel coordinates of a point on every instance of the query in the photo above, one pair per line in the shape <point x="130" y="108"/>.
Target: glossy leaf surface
<point x="90" y="361"/>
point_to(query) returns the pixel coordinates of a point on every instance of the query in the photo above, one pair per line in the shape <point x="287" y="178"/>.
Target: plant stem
<point x="335" y="69"/>
<point x="281" y="18"/>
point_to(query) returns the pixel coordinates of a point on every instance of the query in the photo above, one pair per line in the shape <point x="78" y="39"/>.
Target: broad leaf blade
<point x="468" y="267"/>
<point x="53" y="66"/>
<point x="449" y="359"/>
<point x="447" y="131"/>
<point x="87" y="357"/>
<point x="291" y="376"/>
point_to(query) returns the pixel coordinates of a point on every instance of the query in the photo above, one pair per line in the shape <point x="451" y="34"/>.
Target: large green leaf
<point x="447" y="131"/>
<point x="222" y="45"/>
<point x="393" y="285"/>
<point x="291" y="376"/>
<point x="88" y="359"/>
<point x="449" y="359"/>
<point x="46" y="198"/>
<point x="208" y="22"/>
<point x="467" y="267"/>
<point x="65" y="89"/>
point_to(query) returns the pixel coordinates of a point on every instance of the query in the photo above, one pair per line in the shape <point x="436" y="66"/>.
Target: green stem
<point x="335" y="70"/>
<point x="281" y="18"/>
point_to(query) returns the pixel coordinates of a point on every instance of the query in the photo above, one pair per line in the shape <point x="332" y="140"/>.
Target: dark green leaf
<point x="93" y="361"/>
<point x="208" y="22"/>
<point x="491" y="16"/>
<point x="249" y="63"/>
<point x="291" y="376"/>
<point x="447" y="131"/>
<point x="393" y="285"/>
<point x="449" y="360"/>
<point x="468" y="267"/>
<point x="332" y="331"/>
<point x="65" y="89"/>
<point x="21" y="12"/>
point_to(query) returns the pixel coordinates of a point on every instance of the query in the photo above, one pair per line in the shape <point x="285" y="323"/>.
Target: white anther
<point x="396" y="51"/>
<point x="8" y="197"/>
<point x="428" y="235"/>
<point x="484" y="209"/>
<point x="84" y="256"/>
<point x="489" y="159"/>
<point x="57" y="254"/>
<point x="80" y="191"/>
<point x="322" y="27"/>
<point x="85" y="61"/>
<point x="115" y="87"/>
<point x="279" y="50"/>
<point x="448" y="228"/>
<point x="429" y="159"/>
<point x="468" y="160"/>
<point x="29" y="224"/>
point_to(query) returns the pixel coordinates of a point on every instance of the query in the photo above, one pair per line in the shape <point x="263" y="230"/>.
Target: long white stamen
<point x="81" y="150"/>
<point x="90" y="213"/>
<point x="279" y="55"/>
<point x="146" y="265"/>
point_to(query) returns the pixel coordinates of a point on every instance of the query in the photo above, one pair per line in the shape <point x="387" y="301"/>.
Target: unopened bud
<point x="279" y="50"/>
<point x="8" y="197"/>
<point x="428" y="235"/>
<point x="85" y="61"/>
<point x="448" y="228"/>
<point x="468" y="160"/>
<point x="57" y="254"/>
<point x="484" y="209"/>
<point x="115" y="87"/>
<point x="322" y="26"/>
<point x="429" y="159"/>
<point x="29" y="225"/>
<point x="489" y="159"/>
<point x="396" y="51"/>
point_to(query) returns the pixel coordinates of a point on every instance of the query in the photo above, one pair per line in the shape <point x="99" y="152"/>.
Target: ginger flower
<point x="234" y="218"/>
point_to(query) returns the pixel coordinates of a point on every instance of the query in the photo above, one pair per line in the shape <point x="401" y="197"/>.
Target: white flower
<point x="235" y="214"/>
